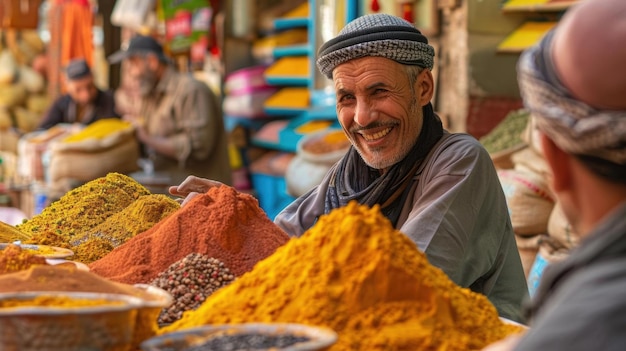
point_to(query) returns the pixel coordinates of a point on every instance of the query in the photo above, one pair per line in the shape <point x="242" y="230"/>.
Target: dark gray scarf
<point x="355" y="180"/>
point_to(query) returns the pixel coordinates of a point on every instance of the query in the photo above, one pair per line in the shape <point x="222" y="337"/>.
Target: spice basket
<point x="318" y="338"/>
<point x="67" y="328"/>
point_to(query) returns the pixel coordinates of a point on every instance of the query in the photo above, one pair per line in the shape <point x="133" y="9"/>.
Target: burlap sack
<point x="528" y="159"/>
<point x="9" y="139"/>
<point x="96" y="144"/>
<point x="528" y="199"/>
<point x="528" y="246"/>
<point x="31" y="148"/>
<point x="531" y="161"/>
<point x="560" y="229"/>
<point x="86" y="165"/>
<point x="549" y="252"/>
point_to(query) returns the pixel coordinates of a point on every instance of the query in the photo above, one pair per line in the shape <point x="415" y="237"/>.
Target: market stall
<point x="220" y="260"/>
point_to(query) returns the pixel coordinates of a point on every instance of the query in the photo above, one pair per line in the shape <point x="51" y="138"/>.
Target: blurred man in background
<point x="180" y="119"/>
<point x="84" y="103"/>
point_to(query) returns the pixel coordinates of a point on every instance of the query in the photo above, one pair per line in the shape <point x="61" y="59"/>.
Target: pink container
<point x="246" y="81"/>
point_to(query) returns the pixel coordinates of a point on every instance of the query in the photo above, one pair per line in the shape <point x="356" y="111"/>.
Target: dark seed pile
<point x="239" y="342"/>
<point x="190" y="281"/>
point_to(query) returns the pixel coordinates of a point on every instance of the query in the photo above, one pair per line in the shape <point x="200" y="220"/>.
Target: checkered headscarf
<point x="574" y="126"/>
<point x="380" y="35"/>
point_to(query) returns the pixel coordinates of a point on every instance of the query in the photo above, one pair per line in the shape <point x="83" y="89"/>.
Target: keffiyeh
<point x="379" y="35"/>
<point x="574" y="126"/>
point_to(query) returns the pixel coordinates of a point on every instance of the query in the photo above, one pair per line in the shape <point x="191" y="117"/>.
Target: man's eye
<point x="346" y="98"/>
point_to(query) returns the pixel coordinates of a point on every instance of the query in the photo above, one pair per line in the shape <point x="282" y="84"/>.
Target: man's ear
<point x="559" y="162"/>
<point x="426" y="87"/>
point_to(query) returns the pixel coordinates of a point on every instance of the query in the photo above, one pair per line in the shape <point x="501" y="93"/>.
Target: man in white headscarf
<point x="574" y="84"/>
<point x="438" y="188"/>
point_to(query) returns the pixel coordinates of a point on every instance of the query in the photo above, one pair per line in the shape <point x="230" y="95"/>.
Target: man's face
<point x="140" y="70"/>
<point x="83" y="91"/>
<point x="378" y="109"/>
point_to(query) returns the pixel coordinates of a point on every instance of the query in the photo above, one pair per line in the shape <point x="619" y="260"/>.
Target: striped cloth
<point x="574" y="126"/>
<point x="380" y="35"/>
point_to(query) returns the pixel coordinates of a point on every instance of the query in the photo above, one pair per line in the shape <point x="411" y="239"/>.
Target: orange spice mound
<point x="223" y="224"/>
<point x="13" y="259"/>
<point x="354" y="273"/>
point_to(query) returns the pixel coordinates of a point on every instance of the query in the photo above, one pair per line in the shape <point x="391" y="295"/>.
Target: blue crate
<point x="271" y="191"/>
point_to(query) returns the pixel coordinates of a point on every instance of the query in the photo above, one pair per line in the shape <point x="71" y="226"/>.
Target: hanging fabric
<point x="70" y="26"/>
<point x="19" y="14"/>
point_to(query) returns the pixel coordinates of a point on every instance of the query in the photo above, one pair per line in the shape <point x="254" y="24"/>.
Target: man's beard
<point x="378" y="162"/>
<point x="147" y="82"/>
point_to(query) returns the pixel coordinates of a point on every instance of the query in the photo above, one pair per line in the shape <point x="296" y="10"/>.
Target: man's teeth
<point x="382" y="133"/>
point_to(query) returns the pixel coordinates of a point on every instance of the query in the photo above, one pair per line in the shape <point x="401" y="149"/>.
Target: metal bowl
<point x="148" y="316"/>
<point x="318" y="338"/>
<point x="105" y="328"/>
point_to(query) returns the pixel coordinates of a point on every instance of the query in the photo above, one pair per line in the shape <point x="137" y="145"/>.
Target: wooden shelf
<point x="524" y="37"/>
<point x="537" y="5"/>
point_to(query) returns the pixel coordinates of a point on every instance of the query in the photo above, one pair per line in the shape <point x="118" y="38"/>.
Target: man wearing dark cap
<point x="84" y="103"/>
<point x="180" y="121"/>
<point x="438" y="188"/>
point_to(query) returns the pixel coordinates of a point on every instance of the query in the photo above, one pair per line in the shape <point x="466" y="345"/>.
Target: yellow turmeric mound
<point x="99" y="130"/>
<point x="82" y="209"/>
<point x="354" y="273"/>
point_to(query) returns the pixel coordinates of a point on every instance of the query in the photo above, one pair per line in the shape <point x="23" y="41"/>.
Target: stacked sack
<point x="105" y="146"/>
<point x="530" y="202"/>
<point x="522" y="175"/>
<point x="22" y="84"/>
<point x="560" y="236"/>
<point x="542" y="232"/>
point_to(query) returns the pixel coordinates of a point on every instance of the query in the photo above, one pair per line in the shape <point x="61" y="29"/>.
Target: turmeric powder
<point x="56" y="301"/>
<point x="99" y="129"/>
<point x="354" y="273"/>
<point x="82" y="209"/>
<point x="13" y="259"/>
<point x="9" y="233"/>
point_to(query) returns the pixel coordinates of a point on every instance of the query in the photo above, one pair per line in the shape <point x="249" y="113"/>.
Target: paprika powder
<point x="223" y="223"/>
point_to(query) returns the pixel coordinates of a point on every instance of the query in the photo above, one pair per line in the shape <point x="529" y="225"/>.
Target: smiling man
<point x="438" y="188"/>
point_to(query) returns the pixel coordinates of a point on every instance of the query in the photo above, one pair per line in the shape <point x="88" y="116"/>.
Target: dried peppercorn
<point x="190" y="281"/>
<point x="249" y="341"/>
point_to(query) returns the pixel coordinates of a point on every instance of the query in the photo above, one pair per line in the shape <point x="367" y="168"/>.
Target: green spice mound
<point x="507" y="133"/>
<point x="82" y="209"/>
<point x="138" y="217"/>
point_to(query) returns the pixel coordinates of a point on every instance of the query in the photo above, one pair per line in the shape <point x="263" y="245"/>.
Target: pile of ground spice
<point x="136" y="218"/>
<point x="354" y="273"/>
<point x="14" y="259"/>
<point x="82" y="209"/>
<point x="58" y="301"/>
<point x="222" y="223"/>
<point x="69" y="278"/>
<point x="63" y="278"/>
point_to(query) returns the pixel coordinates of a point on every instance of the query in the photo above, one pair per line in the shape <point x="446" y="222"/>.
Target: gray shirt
<point x="581" y="302"/>
<point x="457" y="214"/>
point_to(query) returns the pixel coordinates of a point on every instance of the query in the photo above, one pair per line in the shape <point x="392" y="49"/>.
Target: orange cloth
<point x="71" y="23"/>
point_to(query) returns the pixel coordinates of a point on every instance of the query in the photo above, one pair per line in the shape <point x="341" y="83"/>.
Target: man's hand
<point x="192" y="186"/>
<point x="140" y="127"/>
